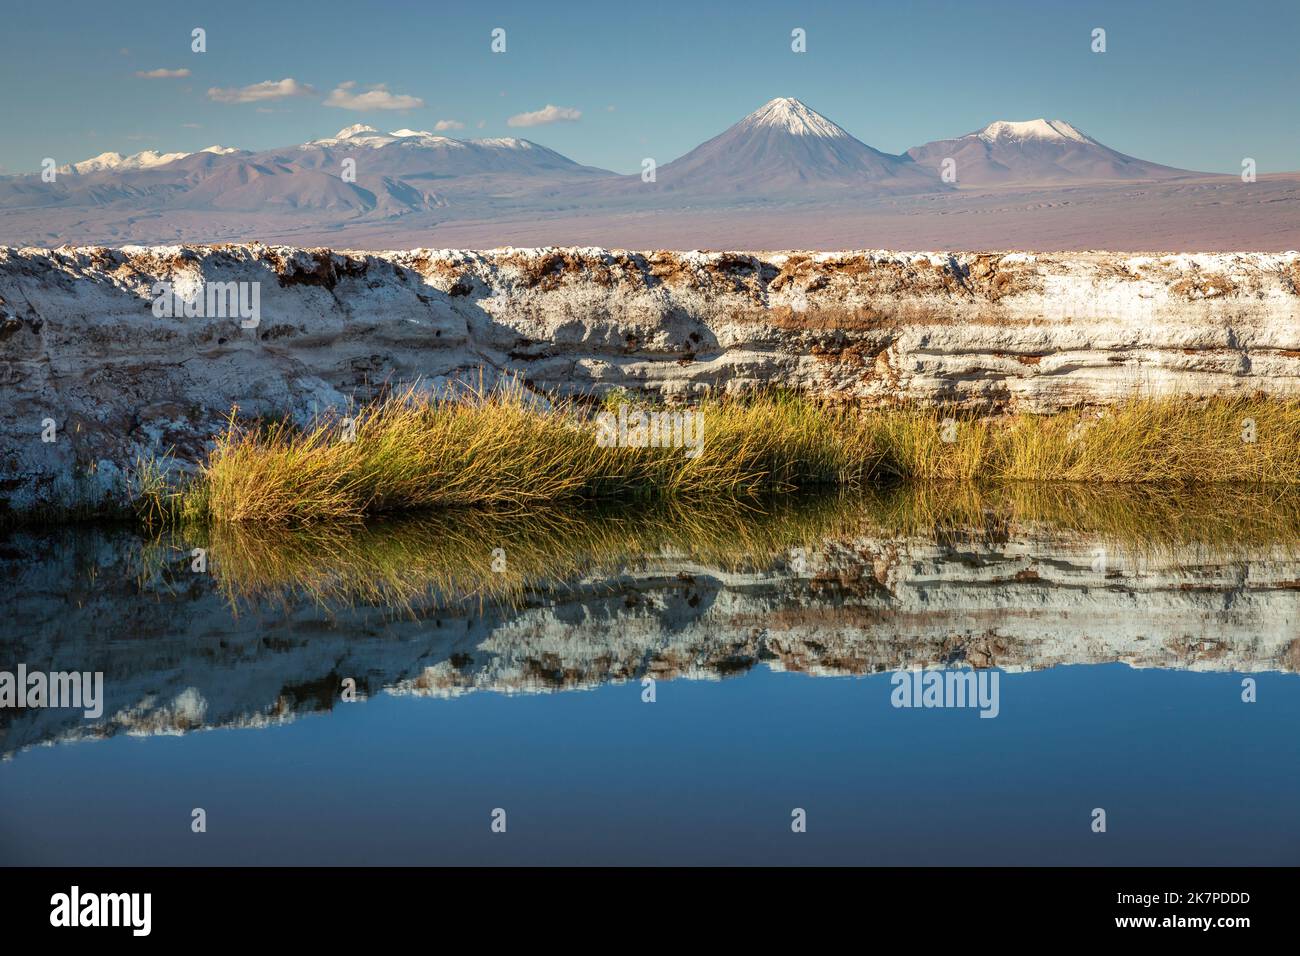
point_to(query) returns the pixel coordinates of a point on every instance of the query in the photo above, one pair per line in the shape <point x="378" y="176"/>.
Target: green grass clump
<point x="1168" y="440"/>
<point x="506" y="450"/>
<point x="500" y="450"/>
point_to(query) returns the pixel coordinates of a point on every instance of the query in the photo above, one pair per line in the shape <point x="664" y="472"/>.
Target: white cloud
<point x="266" y="90"/>
<point x="548" y="114"/>
<point x="162" y="74"/>
<point x="443" y="125"/>
<point x="375" y="98"/>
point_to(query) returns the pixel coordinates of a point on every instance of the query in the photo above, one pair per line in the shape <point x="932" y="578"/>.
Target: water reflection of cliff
<point x="1015" y="578"/>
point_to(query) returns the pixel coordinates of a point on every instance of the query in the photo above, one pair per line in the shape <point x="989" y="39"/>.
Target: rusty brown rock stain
<point x="1203" y="286"/>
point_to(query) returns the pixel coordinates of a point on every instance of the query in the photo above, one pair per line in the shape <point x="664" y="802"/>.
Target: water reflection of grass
<point x="474" y="554"/>
<point x="1136" y="517"/>
<point x="479" y="555"/>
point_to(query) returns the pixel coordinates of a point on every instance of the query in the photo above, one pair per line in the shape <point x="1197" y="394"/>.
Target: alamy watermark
<point x="59" y="689"/>
<point x="635" y="428"/>
<point x="212" y="300"/>
<point x="947" y="688"/>
<point x="75" y="908"/>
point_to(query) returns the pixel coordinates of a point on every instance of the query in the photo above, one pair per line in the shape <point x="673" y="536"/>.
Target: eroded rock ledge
<point x="80" y="345"/>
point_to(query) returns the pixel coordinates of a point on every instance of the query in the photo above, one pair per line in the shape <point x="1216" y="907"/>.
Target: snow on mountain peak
<point x="794" y="117"/>
<point x="504" y="142"/>
<point x="357" y="135"/>
<point x="422" y="137"/>
<point x="1039" y="129"/>
<point x="355" y="130"/>
<point x="141" y="160"/>
<point x="368" y="136"/>
<point x="102" y="161"/>
<point x="151" y="157"/>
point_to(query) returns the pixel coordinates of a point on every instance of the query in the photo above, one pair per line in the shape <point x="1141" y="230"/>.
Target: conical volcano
<point x="784" y="148"/>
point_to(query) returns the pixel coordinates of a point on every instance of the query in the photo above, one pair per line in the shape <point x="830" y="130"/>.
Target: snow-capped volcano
<point x="1039" y="129"/>
<point x="146" y="159"/>
<point x="371" y="138"/>
<point x="367" y="136"/>
<point x="359" y="130"/>
<point x="1034" y="152"/>
<point x="421" y="155"/>
<point x="141" y="160"/>
<point x="794" y="117"/>
<point x="785" y="147"/>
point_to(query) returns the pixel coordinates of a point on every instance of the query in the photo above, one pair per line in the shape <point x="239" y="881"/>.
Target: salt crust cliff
<point x="79" y="343"/>
<point x="861" y="605"/>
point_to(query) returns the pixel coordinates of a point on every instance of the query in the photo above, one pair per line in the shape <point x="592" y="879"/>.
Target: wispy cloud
<point x="162" y="74"/>
<point x="547" y="114"/>
<point x="443" y="125"/>
<point x="266" y="90"/>
<point x="374" y="98"/>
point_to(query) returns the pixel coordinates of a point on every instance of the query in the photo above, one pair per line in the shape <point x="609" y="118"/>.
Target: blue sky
<point x="1192" y="84"/>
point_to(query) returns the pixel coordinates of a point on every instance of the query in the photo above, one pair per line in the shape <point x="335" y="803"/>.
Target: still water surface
<point x="1120" y="631"/>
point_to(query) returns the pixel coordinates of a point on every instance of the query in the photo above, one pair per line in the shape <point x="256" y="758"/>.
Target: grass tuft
<point x="507" y="450"/>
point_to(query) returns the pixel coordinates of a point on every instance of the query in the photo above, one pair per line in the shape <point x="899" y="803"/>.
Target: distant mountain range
<point x="784" y="152"/>
<point x="394" y="174"/>
<point x="780" y="149"/>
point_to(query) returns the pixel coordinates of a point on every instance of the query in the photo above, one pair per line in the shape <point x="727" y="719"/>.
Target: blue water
<point x="1187" y="773"/>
